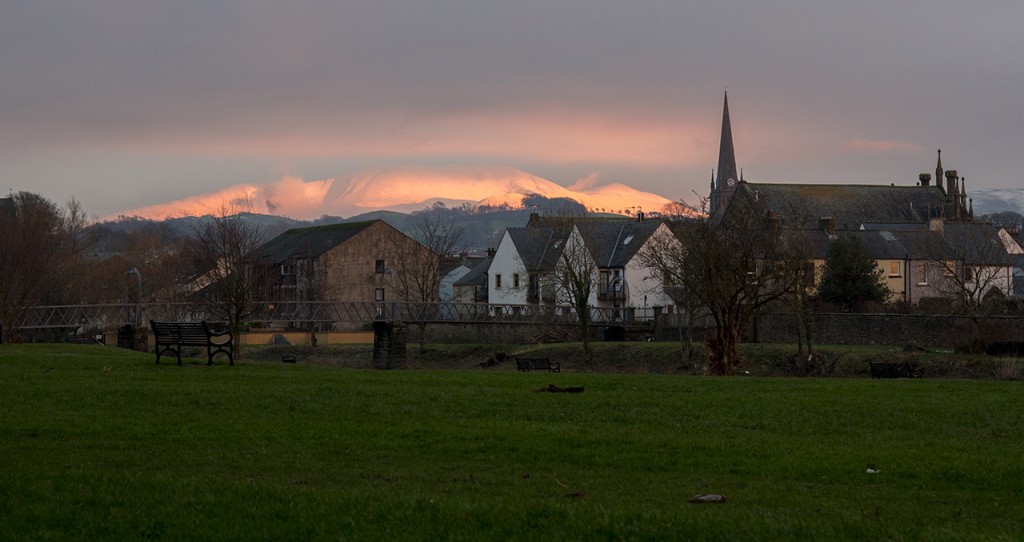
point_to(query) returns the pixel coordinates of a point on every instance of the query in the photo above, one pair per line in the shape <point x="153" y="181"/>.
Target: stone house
<point x="355" y="261"/>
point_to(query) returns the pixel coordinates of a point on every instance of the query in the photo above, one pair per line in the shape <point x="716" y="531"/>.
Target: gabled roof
<point x="308" y="242"/>
<point x="477" y="276"/>
<point x="538" y="247"/>
<point x="614" y="244"/>
<point x="887" y="244"/>
<point x="974" y="243"/>
<point x="849" y="205"/>
<point x="978" y="243"/>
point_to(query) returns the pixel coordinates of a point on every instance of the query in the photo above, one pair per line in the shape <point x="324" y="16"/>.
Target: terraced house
<point x="528" y="263"/>
<point x="923" y="235"/>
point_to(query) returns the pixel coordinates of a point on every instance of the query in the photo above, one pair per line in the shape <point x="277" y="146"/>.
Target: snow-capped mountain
<point x="401" y="189"/>
<point x="996" y="200"/>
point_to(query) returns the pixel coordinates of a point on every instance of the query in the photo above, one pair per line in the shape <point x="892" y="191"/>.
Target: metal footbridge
<point x="318" y="313"/>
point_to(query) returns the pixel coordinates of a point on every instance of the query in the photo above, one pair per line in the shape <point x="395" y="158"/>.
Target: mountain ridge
<point x="401" y="189"/>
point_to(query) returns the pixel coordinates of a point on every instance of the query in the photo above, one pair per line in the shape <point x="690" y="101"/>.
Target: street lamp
<point x="138" y="298"/>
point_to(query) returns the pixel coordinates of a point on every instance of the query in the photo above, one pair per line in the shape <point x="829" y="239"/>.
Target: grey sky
<point x="128" y="103"/>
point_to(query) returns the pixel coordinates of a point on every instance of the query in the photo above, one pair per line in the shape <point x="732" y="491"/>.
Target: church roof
<point x="726" y="152"/>
<point x="801" y="205"/>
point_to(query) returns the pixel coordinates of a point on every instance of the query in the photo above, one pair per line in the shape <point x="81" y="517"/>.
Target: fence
<point x="322" y="314"/>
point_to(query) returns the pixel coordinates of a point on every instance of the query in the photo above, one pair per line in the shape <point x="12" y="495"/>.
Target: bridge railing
<point x="306" y="313"/>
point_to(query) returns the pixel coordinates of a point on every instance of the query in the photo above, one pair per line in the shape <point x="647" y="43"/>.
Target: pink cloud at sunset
<point x="123" y="105"/>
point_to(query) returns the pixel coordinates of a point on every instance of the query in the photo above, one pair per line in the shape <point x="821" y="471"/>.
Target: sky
<point x="124" y="104"/>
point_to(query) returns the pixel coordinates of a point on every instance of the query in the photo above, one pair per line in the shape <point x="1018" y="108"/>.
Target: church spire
<point x="938" y="170"/>
<point x="726" y="153"/>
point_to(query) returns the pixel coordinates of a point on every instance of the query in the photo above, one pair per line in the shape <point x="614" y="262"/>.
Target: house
<point x="355" y="261"/>
<point x="472" y="287"/>
<point x="622" y="279"/>
<point x="529" y="260"/>
<point x="522" y="268"/>
<point x="451" y="273"/>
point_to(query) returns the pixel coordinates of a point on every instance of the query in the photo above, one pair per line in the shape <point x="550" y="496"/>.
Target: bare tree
<point x="732" y="270"/>
<point x="40" y="249"/>
<point x="420" y="271"/>
<point x="574" y="279"/>
<point x="972" y="263"/>
<point x="217" y="249"/>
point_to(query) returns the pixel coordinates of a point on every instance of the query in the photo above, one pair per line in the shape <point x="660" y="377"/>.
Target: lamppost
<point x="138" y="297"/>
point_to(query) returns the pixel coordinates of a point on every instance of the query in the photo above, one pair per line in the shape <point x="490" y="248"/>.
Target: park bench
<point x="171" y="336"/>
<point x="537" y="364"/>
<point x="894" y="370"/>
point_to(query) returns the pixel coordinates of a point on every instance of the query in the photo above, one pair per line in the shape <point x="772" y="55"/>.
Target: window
<point x="379" y="267"/>
<point x="810" y="274"/>
<point x="378" y="294"/>
<point x="922" y="274"/>
<point x="950" y="266"/>
<point x="497" y="282"/>
<point x="894" y="269"/>
<point x="287" y="269"/>
<point x="515" y="280"/>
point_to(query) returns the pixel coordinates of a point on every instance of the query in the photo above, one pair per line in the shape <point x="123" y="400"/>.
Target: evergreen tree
<point x="851" y="275"/>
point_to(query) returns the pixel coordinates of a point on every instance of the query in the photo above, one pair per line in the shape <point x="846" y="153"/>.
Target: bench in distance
<point x="537" y="364"/>
<point x="894" y="370"/>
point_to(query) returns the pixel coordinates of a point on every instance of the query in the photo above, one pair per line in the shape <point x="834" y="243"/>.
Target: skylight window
<point x="627" y="240"/>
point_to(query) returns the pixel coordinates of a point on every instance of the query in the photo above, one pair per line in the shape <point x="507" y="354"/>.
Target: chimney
<point x="639" y="216"/>
<point x="491" y="252"/>
<point x="773" y="221"/>
<point x="827" y="224"/>
<point x="925" y="178"/>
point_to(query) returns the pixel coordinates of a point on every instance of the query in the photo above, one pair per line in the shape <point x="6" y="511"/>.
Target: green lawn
<point x="100" y="443"/>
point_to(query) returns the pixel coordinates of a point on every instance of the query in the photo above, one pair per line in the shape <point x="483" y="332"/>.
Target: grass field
<point x="100" y="443"/>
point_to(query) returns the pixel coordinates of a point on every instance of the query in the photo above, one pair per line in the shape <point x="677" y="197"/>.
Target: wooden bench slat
<point x="171" y="336"/>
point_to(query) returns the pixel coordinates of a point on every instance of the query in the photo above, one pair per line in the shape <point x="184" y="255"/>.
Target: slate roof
<point x="975" y="243"/>
<point x="307" y="242"/>
<point x="849" y="205"/>
<point x="538" y="247"/>
<point x="477" y="276"/>
<point x="614" y="244"/>
<point x="979" y="243"/>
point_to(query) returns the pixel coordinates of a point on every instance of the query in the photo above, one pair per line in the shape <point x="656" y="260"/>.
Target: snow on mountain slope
<point x="396" y="189"/>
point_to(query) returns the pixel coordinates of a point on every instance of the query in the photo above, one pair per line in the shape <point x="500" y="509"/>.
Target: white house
<point x="525" y="263"/>
<point x="622" y="280"/>
<point x="521" y="272"/>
